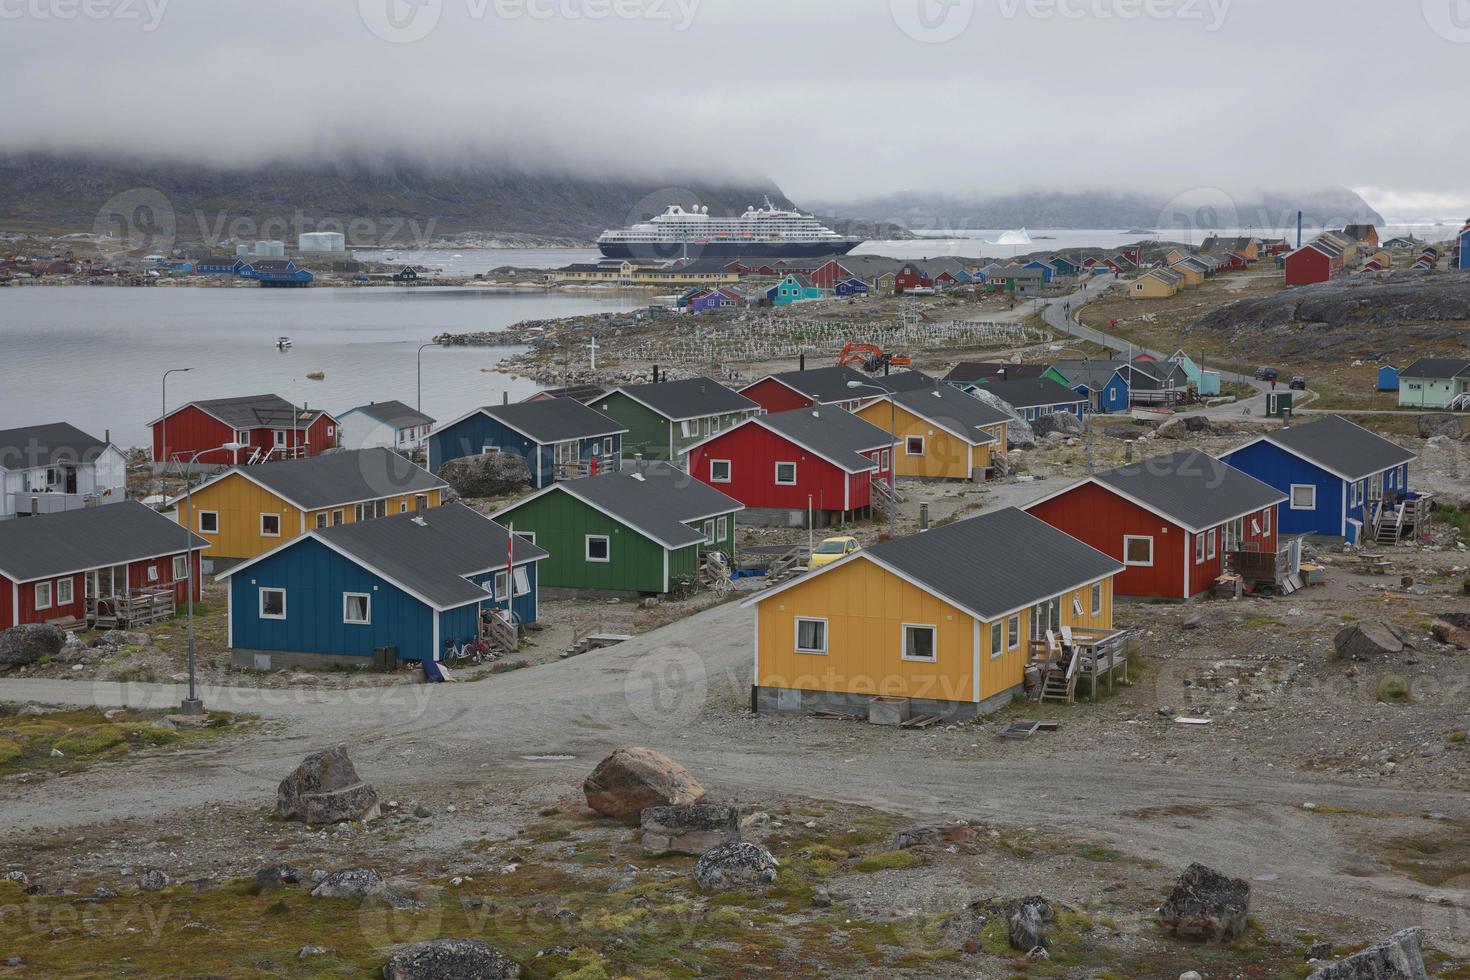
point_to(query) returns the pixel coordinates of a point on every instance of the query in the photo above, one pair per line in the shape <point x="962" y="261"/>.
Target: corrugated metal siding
<point x="561" y="524"/>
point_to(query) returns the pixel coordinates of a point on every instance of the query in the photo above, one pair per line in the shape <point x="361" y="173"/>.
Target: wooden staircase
<point x="1061" y="685"/>
<point x="501" y="634"/>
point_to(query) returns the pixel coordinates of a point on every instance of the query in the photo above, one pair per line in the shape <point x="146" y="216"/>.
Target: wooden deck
<point x="141" y="607"/>
<point x="1097" y="654"/>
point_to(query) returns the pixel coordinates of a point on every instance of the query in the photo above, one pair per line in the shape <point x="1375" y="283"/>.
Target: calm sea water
<point x="94" y="356"/>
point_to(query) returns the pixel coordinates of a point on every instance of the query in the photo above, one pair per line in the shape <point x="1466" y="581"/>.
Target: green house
<point x="635" y="531"/>
<point x="1435" y="382"/>
<point x="665" y="418"/>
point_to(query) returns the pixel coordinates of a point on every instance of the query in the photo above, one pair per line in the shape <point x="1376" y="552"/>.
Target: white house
<point x="45" y="469"/>
<point x="386" y="425"/>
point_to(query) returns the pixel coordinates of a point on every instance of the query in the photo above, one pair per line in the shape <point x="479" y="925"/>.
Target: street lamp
<point x="892" y="452"/>
<point x="192" y="704"/>
<point x="431" y="343"/>
<point x="163" y="419"/>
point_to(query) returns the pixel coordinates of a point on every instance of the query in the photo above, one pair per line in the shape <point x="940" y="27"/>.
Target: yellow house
<point x="941" y="432"/>
<point x="948" y="619"/>
<point x="1192" y="276"/>
<point x="1155" y="284"/>
<point x="248" y="510"/>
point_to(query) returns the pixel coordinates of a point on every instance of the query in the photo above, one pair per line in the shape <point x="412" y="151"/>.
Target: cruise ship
<point x="694" y="233"/>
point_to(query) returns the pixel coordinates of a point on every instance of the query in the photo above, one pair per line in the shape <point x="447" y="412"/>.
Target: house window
<point x="918" y="642"/>
<point x="521" y="580"/>
<point x="1097" y="598"/>
<point x="1303" y="496"/>
<point x="322" y="519"/>
<point x="811" y="635"/>
<point x="153" y="573"/>
<point x="885" y="460"/>
<point x="1077" y="605"/>
<point x="1013" y="632"/>
<point x="527" y="536"/>
<point x="709" y="531"/>
<point x="719" y="471"/>
<point x="997" y="638"/>
<point x="280" y="437"/>
<point x="914" y="445"/>
<point x="181" y="568"/>
<point x="372" y="509"/>
<point x="403" y="506"/>
<point x="500" y="590"/>
<point x="338" y="516"/>
<point x="270" y="525"/>
<point x="208" y="522"/>
<point x="272" y="603"/>
<point x="722" y="528"/>
<point x="1199" y="549"/>
<point x="1211" y="553"/>
<point x="242" y="436"/>
<point x="64" y="592"/>
<point x="357" y="608"/>
<point x="43" y="595"/>
<point x="1266" y="520"/>
<point x="1138" y="550"/>
<point x="599" y="548"/>
<point x="607" y="446"/>
<point x="786" y="474"/>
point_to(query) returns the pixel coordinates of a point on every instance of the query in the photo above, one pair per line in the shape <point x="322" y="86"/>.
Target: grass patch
<point x="85" y="736"/>
<point x="888" y="861"/>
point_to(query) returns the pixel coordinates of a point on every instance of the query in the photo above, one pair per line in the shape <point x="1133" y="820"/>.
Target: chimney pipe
<point x="801" y="362"/>
<point x="655" y="374"/>
<point x="637" y="462"/>
<point x="923" y="517"/>
<point x="107" y="436"/>
<point x="505" y="397"/>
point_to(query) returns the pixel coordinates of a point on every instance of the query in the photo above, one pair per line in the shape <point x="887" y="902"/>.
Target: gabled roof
<point x="836" y="436"/>
<point x="1342" y="448"/>
<point x="45" y="445"/>
<point x="659" y="502"/>
<point x="970" y="371"/>
<point x="583" y="393"/>
<point x="392" y="413"/>
<point x="1167" y="276"/>
<point x="1436" y="368"/>
<point x="254" y="412"/>
<point x="95" y="537"/>
<point x="553" y="420"/>
<point x="1033" y="392"/>
<point x="336" y="479"/>
<point x="829" y="385"/>
<point x="1191" y="489"/>
<point x="1032" y="561"/>
<point x="428" y="554"/>
<point x="1094" y="375"/>
<point x="689" y="399"/>
<point x="952" y="410"/>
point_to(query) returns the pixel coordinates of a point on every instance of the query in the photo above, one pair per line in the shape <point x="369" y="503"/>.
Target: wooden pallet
<point x="921" y="721"/>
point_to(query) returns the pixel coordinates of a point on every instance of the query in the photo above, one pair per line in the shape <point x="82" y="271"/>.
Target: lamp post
<point x="163" y="419"/>
<point x="892" y="452"/>
<point x="192" y="704"/>
<point x="431" y="343"/>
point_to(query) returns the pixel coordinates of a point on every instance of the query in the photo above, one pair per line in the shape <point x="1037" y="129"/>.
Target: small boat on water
<point x="283" y="343"/>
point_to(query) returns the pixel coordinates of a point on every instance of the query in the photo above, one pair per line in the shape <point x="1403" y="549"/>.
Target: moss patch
<point x="86" y="736"/>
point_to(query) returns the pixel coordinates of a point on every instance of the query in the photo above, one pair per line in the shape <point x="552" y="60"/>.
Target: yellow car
<point x="831" y="549"/>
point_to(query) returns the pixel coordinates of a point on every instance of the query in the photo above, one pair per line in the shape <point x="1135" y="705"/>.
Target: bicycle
<point x="470" y="651"/>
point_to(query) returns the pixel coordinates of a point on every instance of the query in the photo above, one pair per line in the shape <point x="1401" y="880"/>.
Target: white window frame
<point x="1013" y="632"/>
<point x="1199" y="549"/>
<point x="339" y="516"/>
<point x="48" y="587"/>
<point x="722" y="528"/>
<point x="786" y="483"/>
<point x="520" y="581"/>
<point x="178" y="576"/>
<point x="153" y="573"/>
<point x="208" y="513"/>
<point x="1130" y="538"/>
<point x="903" y="640"/>
<point x="885" y="460"/>
<point x="526" y="536"/>
<point x="500" y="587"/>
<point x="278" y="438"/>
<point x="728" y="469"/>
<point x="403" y="506"/>
<point x="607" y="448"/>
<point x="1097" y="598"/>
<point x="1210" y="551"/>
<point x="997" y="638"/>
<point x="1303" y="486"/>
<point x="1266" y="520"/>
<point x="367" y="619"/>
<point x="262" y="594"/>
<point x="270" y="534"/>
<point x="606" y="539"/>
<point x="908" y="443"/>
<point x="796" y="635"/>
<point x="71" y="592"/>
<point x="709" y="531"/>
<point x="323" y="520"/>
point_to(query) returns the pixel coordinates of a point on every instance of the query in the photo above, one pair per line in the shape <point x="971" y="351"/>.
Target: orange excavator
<point x="871" y="358"/>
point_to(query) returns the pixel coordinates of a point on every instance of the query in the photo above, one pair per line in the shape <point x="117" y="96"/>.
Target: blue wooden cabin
<point x="410" y="581"/>
<point x="559" y="438"/>
<point x="1103" y="383"/>
<point x="1388" y="378"/>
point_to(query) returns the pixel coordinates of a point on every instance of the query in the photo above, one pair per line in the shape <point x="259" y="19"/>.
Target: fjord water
<point x="94" y="356"/>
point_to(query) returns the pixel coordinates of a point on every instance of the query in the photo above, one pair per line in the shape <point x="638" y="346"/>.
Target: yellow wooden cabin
<point x="1155" y="284"/>
<point x="1190" y="275"/>
<point x="941" y="432"/>
<point x="248" y="510"/>
<point x="947" y="620"/>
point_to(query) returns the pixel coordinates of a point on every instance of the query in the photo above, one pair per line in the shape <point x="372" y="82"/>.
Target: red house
<point x="1170" y="520"/>
<point x="1314" y="262"/>
<point x="79" y="564"/>
<point x="824" y="458"/>
<point x="268" y="426"/>
<point x="791" y="390"/>
<point x="912" y="276"/>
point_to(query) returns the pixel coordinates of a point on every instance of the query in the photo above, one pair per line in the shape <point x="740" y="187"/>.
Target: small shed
<point x="1388" y="378"/>
<point x="1278" y="404"/>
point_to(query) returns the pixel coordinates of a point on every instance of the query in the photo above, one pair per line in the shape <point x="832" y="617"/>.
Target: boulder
<point x="1453" y="633"/>
<point x="360" y="885"/>
<point x="1399" y="957"/>
<point x="24" y="645"/>
<point x="1198" y="423"/>
<point x="1440" y="425"/>
<point x="1206" y="905"/>
<point x="1064" y="422"/>
<point x="325" y="788"/>
<point x="489" y="475"/>
<point x="277" y="876"/>
<point x="633" y="779"/>
<point x="153" y="880"/>
<point x="1018" y="431"/>
<point x="736" y="865"/>
<point x="692" y="828"/>
<point x="1027" y="922"/>
<point x="1172" y="428"/>
<point x="1366" y="641"/>
<point x="450" y="959"/>
<point x="930" y="834"/>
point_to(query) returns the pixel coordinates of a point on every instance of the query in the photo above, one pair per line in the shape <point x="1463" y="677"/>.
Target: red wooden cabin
<point x="270" y="428"/>
<point x="1311" y="264"/>
<point x="1171" y="520"/>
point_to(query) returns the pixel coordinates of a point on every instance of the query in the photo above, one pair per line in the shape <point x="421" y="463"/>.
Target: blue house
<point x="224" y="265"/>
<point x="414" y="582"/>
<point x="793" y="289"/>
<point x="1047" y="270"/>
<point x="559" y="438"/>
<point x="1336" y="474"/>
<point x="1031" y="398"/>
<point x="852" y="287"/>
<point x="276" y="272"/>
<point x="1465" y="247"/>
<point x="1388" y="378"/>
<point x="1103" y="383"/>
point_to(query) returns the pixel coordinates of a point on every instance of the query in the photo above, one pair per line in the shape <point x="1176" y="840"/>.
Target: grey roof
<point x="837" y="436"/>
<point x="1096" y="375"/>
<point x="583" y="393"/>
<point x="659" y="501"/>
<point x="902" y="381"/>
<point x="394" y="413"/>
<point x="969" y="371"/>
<point x="554" y="420"/>
<point x="1192" y="489"/>
<point x="1029" y="560"/>
<point x="431" y="551"/>
<point x="828" y="385"/>
<point x="45" y="445"/>
<point x="1436" y="368"/>
<point x="868" y="266"/>
<point x="950" y="408"/>
<point x="1033" y="392"/>
<point x="1342" y="447"/>
<point x="94" y="537"/>
<point x="256" y="411"/>
<point x="689" y="399"/>
<point x="334" y="479"/>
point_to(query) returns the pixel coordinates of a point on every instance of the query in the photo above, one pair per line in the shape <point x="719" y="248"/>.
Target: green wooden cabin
<point x="635" y="531"/>
<point x="665" y="418"/>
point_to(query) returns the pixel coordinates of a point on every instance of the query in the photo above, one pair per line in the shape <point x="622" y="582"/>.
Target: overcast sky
<point x="828" y="97"/>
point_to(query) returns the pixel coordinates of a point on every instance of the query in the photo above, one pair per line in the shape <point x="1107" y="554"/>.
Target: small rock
<point x="821" y="900"/>
<point x="450" y="959"/>
<point x="304" y="680"/>
<point x="735" y="865"/>
<point x="1191" y="975"/>
<point x="103" y="892"/>
<point x="1319" y="951"/>
<point x="57" y="754"/>
<point x="931" y="834"/>
<point x="153" y="880"/>
<point x="1027" y="922"/>
<point x="307" y="952"/>
<point x="18" y="876"/>
<point x="421" y="811"/>
<point x="692" y="828"/>
<point x="277" y="876"/>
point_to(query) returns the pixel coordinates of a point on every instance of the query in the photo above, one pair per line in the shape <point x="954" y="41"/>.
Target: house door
<point x="1047" y="616"/>
<point x="71" y="479"/>
<point x="566" y="453"/>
